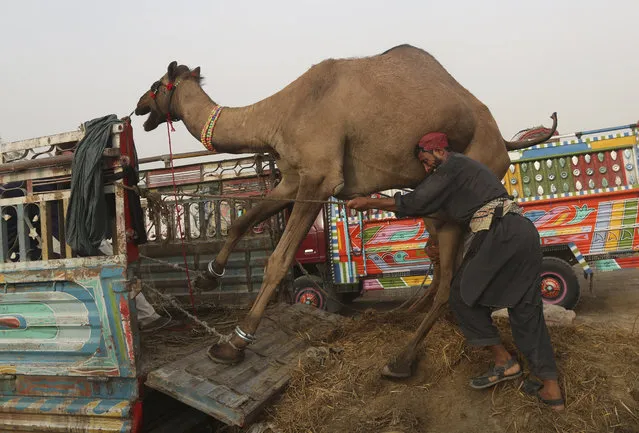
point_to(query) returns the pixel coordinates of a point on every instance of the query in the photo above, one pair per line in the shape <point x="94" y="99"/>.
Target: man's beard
<point x="436" y="164"/>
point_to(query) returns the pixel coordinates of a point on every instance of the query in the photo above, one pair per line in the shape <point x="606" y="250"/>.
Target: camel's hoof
<point x="203" y="283"/>
<point x="225" y="354"/>
<point x="395" y="371"/>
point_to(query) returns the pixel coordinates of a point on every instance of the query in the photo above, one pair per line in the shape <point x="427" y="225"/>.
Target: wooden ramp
<point x="236" y="394"/>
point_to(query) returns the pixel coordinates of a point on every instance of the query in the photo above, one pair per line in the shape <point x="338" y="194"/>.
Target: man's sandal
<point x="532" y="388"/>
<point x="496" y="372"/>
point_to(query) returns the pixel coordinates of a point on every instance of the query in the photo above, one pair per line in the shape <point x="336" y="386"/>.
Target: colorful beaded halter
<point x="206" y="137"/>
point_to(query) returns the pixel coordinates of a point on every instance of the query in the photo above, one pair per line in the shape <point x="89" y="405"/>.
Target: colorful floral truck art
<point x="580" y="190"/>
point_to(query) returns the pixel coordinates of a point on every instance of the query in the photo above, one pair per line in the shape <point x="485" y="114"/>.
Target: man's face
<point x="430" y="160"/>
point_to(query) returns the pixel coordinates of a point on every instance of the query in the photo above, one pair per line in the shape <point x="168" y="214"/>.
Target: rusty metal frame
<point x="54" y="169"/>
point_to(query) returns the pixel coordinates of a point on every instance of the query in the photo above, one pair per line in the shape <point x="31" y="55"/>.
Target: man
<point x="496" y="270"/>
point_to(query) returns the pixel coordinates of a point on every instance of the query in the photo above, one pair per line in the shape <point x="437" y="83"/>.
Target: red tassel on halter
<point x="152" y="95"/>
<point x="169" y="128"/>
<point x="169" y="86"/>
<point x="169" y="123"/>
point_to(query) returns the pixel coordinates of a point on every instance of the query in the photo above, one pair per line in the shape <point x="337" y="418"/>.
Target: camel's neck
<point x="248" y="129"/>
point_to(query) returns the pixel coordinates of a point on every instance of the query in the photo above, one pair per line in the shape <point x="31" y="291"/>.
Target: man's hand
<point x="366" y="203"/>
<point x="359" y="203"/>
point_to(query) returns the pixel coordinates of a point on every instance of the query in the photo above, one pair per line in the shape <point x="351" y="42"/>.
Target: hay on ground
<point x="339" y="388"/>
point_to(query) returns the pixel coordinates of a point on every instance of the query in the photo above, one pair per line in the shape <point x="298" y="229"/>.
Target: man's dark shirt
<point x="504" y="262"/>
<point x="459" y="187"/>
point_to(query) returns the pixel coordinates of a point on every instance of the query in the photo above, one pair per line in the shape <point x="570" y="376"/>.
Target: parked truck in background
<point x="580" y="190"/>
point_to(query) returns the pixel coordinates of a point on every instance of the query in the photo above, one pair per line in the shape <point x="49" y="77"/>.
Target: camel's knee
<point x="238" y="228"/>
<point x="443" y="287"/>
<point x="326" y="182"/>
<point x="442" y="295"/>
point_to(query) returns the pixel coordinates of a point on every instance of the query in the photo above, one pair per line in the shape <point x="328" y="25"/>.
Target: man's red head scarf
<point x="432" y="141"/>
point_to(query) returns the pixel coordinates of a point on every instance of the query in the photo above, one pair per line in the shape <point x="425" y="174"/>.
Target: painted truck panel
<point x="68" y="352"/>
<point x="581" y="193"/>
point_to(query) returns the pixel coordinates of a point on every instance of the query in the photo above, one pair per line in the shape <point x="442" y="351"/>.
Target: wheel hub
<point x="310" y="296"/>
<point x="550" y="287"/>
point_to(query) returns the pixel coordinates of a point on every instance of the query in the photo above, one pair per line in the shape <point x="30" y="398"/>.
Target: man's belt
<point x="483" y="218"/>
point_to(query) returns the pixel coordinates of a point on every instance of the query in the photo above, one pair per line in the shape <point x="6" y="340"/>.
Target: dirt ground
<point x="342" y="391"/>
<point x="615" y="301"/>
<point x="598" y="361"/>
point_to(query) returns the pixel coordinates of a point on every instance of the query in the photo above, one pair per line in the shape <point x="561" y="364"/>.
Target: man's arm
<point x="366" y="203"/>
<point x="425" y="199"/>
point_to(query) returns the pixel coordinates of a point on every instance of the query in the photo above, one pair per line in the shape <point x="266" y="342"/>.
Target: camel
<point x="344" y="128"/>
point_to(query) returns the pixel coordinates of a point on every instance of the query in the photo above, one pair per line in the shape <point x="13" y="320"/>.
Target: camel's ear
<point x="196" y="73"/>
<point x="171" y="70"/>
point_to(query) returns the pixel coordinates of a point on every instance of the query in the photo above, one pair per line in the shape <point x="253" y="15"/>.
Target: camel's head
<point x="157" y="101"/>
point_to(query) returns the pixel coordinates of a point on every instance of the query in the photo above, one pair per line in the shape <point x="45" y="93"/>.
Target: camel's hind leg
<point x="420" y="304"/>
<point x="449" y="236"/>
<point x="432" y="249"/>
<point x="302" y="217"/>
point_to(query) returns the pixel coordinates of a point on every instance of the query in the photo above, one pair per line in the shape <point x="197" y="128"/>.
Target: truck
<point x="71" y="352"/>
<point x="580" y="190"/>
<point x="67" y="354"/>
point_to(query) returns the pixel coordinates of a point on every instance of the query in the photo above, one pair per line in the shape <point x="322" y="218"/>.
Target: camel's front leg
<point x="449" y="237"/>
<point x="300" y="222"/>
<point x="286" y="189"/>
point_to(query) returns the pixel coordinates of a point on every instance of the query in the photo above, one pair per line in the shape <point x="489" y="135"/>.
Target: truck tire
<point x="307" y="292"/>
<point x="559" y="283"/>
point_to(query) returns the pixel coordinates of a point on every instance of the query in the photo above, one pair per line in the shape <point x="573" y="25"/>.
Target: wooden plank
<point x="236" y="394"/>
<point x="45" y="231"/>
<point x="23" y="238"/>
<point x="67" y="247"/>
<point x="48" y="196"/>
<point x="50" y="140"/>
<point x="62" y="236"/>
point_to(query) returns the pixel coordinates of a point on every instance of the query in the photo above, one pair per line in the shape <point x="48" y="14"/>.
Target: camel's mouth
<point x="149" y="127"/>
<point x="151" y="122"/>
<point x="142" y="110"/>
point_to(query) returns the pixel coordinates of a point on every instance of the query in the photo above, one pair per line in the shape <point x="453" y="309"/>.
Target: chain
<point x="172" y="265"/>
<point x="171" y="300"/>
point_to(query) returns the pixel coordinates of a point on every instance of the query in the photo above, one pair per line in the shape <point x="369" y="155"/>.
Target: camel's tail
<point x="522" y="144"/>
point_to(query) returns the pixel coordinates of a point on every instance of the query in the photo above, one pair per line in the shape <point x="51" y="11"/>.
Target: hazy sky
<point x="65" y="62"/>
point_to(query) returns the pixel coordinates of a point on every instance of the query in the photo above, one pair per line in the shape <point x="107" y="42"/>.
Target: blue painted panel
<point x="554" y="151"/>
